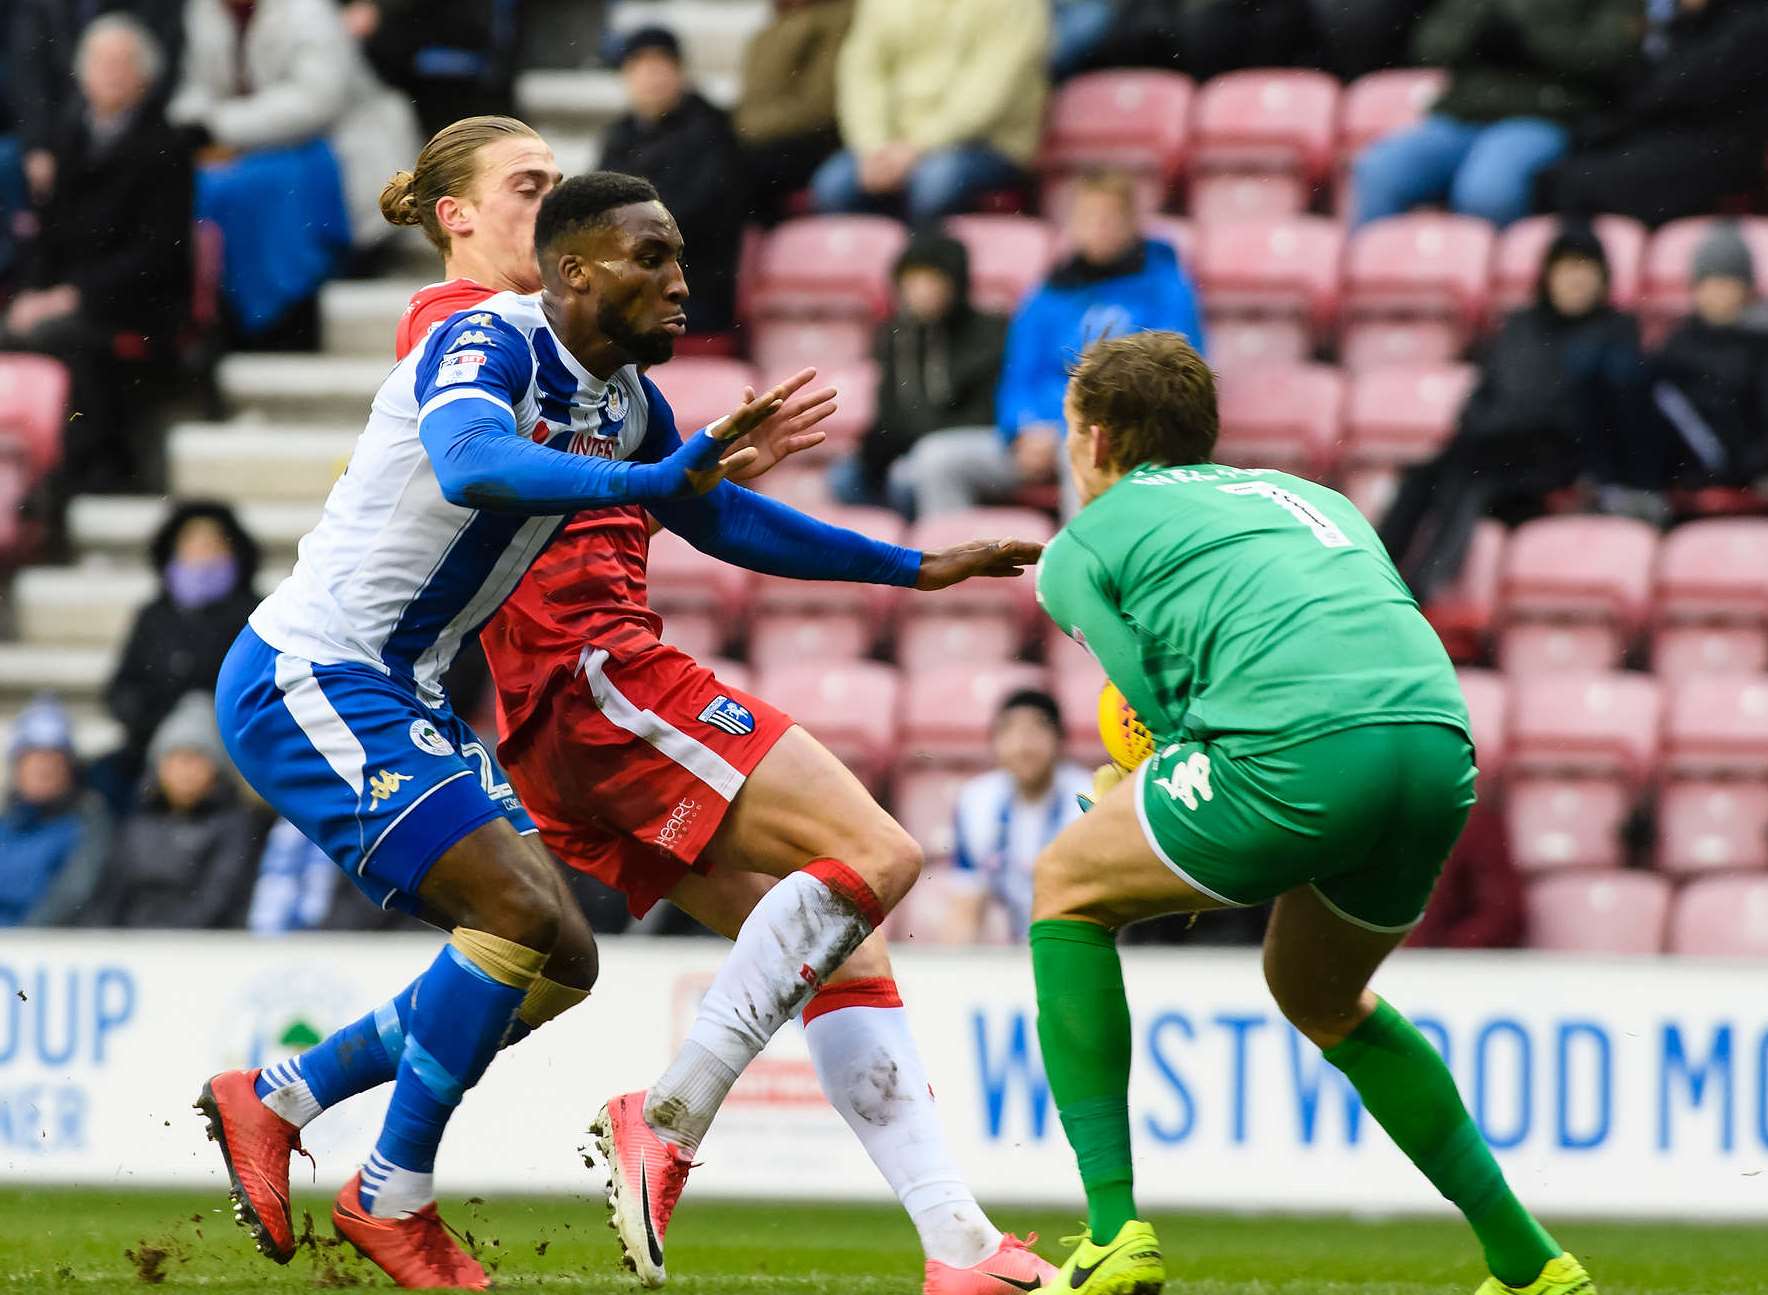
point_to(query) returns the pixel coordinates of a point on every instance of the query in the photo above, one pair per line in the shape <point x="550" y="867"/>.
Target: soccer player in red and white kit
<point x="646" y="771"/>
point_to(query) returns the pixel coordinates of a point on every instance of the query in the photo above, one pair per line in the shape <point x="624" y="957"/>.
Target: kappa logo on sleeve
<point x="462" y="366"/>
<point x="480" y="320"/>
<point x="731" y="716"/>
<point x="472" y="337"/>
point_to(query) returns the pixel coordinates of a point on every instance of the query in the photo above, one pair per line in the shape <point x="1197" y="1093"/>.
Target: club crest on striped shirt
<point x="731" y="716"/>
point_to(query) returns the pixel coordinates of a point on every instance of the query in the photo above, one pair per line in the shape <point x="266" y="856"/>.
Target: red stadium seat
<point x="1384" y="102"/>
<point x="1283" y="416"/>
<point x="1601" y="724"/>
<point x="1716" y="726"/>
<point x="33" y="406"/>
<point x="1414" y="290"/>
<point x="852" y="707"/>
<point x="926" y="642"/>
<point x="1611" y="912"/>
<point x="1463" y="613"/>
<point x="926" y="805"/>
<point x="1261" y="141"/>
<point x="702" y="389"/>
<point x="1125" y="120"/>
<point x="681" y="580"/>
<point x="1016" y="598"/>
<point x="787" y="345"/>
<point x="699" y="634"/>
<point x="1575" y="593"/>
<point x="1722" y="917"/>
<point x="856" y="403"/>
<point x="802" y="482"/>
<point x="1516" y="263"/>
<point x="1711" y="598"/>
<point x="1395" y="417"/>
<point x="1075" y="681"/>
<point x="822" y="267"/>
<point x="1008" y="257"/>
<point x="1555" y="823"/>
<point x="1487" y="710"/>
<point x="778" y="640"/>
<point x="1279" y="272"/>
<point x="947" y="712"/>
<point x="1707" y="825"/>
<point x="1670" y="257"/>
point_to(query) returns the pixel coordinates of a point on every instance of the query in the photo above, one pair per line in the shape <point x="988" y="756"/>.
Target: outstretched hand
<point x="791" y="428"/>
<point x="731" y="465"/>
<point x="1001" y="558"/>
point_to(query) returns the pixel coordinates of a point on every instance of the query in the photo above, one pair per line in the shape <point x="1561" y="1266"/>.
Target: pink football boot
<point x="645" y="1178"/>
<point x="1015" y="1267"/>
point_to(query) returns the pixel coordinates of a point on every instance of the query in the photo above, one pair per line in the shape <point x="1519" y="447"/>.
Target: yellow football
<point x="1127" y="739"/>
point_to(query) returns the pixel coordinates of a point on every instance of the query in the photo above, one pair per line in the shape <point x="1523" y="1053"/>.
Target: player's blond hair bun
<point x="399" y="200"/>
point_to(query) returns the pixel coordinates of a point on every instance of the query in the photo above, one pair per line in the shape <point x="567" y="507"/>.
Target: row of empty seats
<point x="1643" y="913"/>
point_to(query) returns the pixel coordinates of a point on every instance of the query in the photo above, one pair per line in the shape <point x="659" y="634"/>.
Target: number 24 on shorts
<point x="1188" y="780"/>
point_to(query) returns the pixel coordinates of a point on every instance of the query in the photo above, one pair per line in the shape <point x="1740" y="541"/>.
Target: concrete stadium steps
<point x="120" y="526"/>
<point x="358" y="316"/>
<point x="75" y="672"/>
<point x="306" y="389"/>
<point x="258" y="461"/>
<point x="712" y="32"/>
<point x="93" y="604"/>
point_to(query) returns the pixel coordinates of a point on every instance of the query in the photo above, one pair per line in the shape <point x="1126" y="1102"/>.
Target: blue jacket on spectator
<point x="1079" y="303"/>
<point x="53" y="834"/>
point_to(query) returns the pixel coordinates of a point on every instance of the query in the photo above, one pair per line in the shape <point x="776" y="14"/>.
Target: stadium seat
<point x="1281" y="416"/>
<point x="1707" y="825"/>
<point x="947" y="712"/>
<point x="780" y="639"/>
<point x="852" y="707"/>
<point x="787" y="345"/>
<point x="1575" y="592"/>
<point x="735" y="673"/>
<point x="1132" y="121"/>
<point x="1713" y="810"/>
<point x="699" y="634"/>
<point x="1414" y="289"/>
<point x="1075" y="681"/>
<point x="1463" y="613"/>
<point x="1261" y="140"/>
<point x="681" y="580"/>
<point x="1393" y="418"/>
<point x="1015" y="598"/>
<point x="1516" y="262"/>
<point x="925" y="642"/>
<point x="802" y="483"/>
<point x="1711" y="598"/>
<point x="1487" y="703"/>
<point x="1670" y="256"/>
<point x="702" y="389"/>
<point x="1379" y="104"/>
<point x="1722" y="917"/>
<point x="33" y="406"/>
<point x="856" y="404"/>
<point x="926" y="805"/>
<point x="1008" y="257"/>
<point x="1611" y="912"/>
<point x="1280" y="276"/>
<point x="823" y="267"/>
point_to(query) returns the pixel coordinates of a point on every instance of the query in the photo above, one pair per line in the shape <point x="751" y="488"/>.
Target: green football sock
<point x="1083" y="1025"/>
<point x="1410" y="1092"/>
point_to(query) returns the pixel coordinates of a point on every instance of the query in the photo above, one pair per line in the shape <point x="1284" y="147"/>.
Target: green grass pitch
<point x="103" y="1241"/>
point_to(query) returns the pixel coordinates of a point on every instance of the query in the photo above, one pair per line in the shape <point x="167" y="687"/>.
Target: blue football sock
<point x="362" y="1055"/>
<point x="458" y="1020"/>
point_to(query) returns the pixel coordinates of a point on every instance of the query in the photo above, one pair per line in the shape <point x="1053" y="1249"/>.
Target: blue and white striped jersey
<point x="395" y="575"/>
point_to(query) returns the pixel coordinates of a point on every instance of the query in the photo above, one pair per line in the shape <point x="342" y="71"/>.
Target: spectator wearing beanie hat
<point x="1709" y="379"/>
<point x="54" y="835"/>
<point x="186" y="858"/>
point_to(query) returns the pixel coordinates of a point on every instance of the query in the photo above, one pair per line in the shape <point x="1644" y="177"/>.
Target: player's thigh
<point x="1103" y="868"/>
<point x="721" y="901"/>
<point x="801" y="803"/>
<point x="1318" y="965"/>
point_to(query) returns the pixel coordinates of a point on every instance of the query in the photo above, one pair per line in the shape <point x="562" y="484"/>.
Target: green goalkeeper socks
<point x="1083" y="1026"/>
<point x="1410" y="1092"/>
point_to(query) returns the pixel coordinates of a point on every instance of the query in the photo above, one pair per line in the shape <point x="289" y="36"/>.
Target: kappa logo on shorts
<point x="426" y="737"/>
<point x="731" y="716"/>
<point x="385" y="785"/>
<point x="1189" y="779"/>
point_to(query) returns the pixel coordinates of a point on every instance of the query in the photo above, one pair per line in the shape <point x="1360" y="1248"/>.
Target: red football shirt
<point x="588" y="585"/>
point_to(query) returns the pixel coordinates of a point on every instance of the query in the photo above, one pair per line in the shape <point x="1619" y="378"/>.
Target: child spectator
<point x="785" y="116"/>
<point x="685" y="146"/>
<point x="297" y="137"/>
<point x="937" y="102"/>
<point x="185" y="858"/>
<point x="939" y="361"/>
<point x="54" y="835"/>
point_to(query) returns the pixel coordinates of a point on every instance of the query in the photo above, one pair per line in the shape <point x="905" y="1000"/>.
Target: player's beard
<point x="654" y="347"/>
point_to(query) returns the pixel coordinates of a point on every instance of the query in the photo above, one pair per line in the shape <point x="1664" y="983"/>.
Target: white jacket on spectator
<point x="303" y="77"/>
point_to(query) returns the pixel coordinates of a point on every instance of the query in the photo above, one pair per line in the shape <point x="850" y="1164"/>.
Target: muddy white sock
<point x="393" y="1192"/>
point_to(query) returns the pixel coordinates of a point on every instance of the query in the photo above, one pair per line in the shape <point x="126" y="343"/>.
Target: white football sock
<point x="390" y="1192"/>
<point x="291" y="1098"/>
<point x="800" y="932"/>
<point x="871" y="1072"/>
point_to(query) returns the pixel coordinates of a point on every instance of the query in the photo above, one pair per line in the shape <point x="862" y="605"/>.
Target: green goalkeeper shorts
<point x="1366" y="816"/>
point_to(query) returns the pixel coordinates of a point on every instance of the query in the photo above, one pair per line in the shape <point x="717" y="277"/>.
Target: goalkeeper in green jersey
<point x="1311" y="747"/>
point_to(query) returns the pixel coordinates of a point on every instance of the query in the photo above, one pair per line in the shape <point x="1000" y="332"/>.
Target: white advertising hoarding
<point x="1623" y="1087"/>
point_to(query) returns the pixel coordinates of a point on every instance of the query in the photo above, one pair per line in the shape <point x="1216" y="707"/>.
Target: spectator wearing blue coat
<point x="1115" y="282"/>
<point x="54" y="835"/>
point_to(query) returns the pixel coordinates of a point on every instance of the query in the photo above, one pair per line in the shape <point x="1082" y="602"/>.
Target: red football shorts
<point x="633" y="763"/>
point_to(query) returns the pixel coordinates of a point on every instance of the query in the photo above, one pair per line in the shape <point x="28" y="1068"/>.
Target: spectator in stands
<point x="685" y="146"/>
<point x="939" y="362"/>
<point x="1007" y="816"/>
<point x="1521" y="72"/>
<point x="185" y="858"/>
<point x="1116" y="281"/>
<point x="451" y="60"/>
<point x="207" y="564"/>
<point x="1478" y="901"/>
<point x="111" y="254"/>
<point x="937" y="103"/>
<point x="54" y="834"/>
<point x="295" y="886"/>
<point x="297" y="137"/>
<point x="785" y="115"/>
<point x="1689" y="132"/>
<point x="1555" y="406"/>
<point x="1710" y="377"/>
